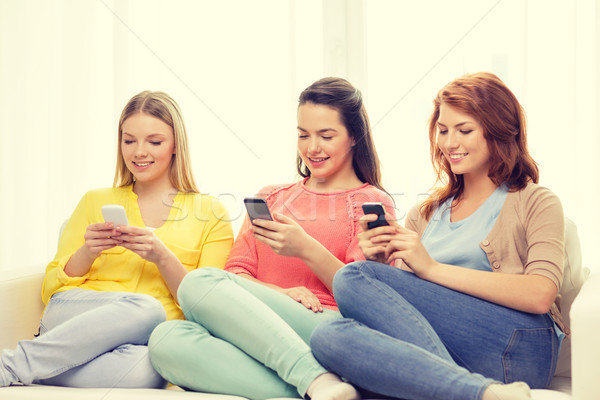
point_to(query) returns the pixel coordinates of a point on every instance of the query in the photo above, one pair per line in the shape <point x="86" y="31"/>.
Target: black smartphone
<point x="375" y="208"/>
<point x="257" y="208"/>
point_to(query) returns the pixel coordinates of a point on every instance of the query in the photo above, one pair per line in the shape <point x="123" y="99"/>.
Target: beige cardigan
<point x="527" y="238"/>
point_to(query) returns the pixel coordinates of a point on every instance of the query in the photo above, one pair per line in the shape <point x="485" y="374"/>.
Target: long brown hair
<point x="340" y="95"/>
<point x="486" y="98"/>
<point x="159" y="105"/>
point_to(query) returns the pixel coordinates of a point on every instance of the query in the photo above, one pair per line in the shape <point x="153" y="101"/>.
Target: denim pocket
<point x="531" y="356"/>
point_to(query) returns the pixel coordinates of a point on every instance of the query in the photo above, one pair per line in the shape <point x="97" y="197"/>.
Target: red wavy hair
<point x="487" y="99"/>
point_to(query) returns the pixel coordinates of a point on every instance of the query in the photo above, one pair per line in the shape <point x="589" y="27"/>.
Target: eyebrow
<point x="150" y="135"/>
<point x="319" y="131"/>
<point x="456" y="126"/>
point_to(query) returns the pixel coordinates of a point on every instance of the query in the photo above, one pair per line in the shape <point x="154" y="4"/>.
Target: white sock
<point x="511" y="391"/>
<point x="330" y="387"/>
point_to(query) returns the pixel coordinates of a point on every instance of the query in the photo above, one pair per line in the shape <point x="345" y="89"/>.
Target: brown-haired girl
<point x="248" y="327"/>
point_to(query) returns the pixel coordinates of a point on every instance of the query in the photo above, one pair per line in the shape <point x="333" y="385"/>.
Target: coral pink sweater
<point x="330" y="218"/>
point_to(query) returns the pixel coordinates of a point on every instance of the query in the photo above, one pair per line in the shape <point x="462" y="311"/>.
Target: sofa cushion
<point x="63" y="393"/>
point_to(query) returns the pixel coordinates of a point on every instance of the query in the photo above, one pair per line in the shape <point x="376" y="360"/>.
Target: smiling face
<point x="325" y="146"/>
<point x="147" y="147"/>
<point x="460" y="138"/>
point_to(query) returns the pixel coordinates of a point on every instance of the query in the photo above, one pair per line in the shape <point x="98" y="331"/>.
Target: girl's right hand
<point x="304" y="296"/>
<point x="373" y="242"/>
<point x="99" y="237"/>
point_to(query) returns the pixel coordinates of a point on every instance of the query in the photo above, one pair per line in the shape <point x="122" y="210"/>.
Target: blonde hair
<point x="159" y="105"/>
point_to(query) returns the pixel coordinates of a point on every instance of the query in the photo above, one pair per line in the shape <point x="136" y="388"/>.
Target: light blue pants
<point x="408" y="338"/>
<point x="89" y="339"/>
<point x="240" y="338"/>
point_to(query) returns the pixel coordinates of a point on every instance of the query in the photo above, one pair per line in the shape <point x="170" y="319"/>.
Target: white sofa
<point x="21" y="308"/>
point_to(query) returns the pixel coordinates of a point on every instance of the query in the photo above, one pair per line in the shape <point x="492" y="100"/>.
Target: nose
<point x="313" y="145"/>
<point x="450" y="140"/>
<point x="140" y="150"/>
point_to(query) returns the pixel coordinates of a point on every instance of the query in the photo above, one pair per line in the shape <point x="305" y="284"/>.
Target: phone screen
<point x="257" y="208"/>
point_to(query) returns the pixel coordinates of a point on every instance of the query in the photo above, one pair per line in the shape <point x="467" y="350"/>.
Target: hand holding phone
<point x="257" y="208"/>
<point x="377" y="209"/>
<point x="116" y="214"/>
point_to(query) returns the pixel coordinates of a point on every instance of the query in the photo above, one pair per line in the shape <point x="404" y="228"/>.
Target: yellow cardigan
<point x="198" y="232"/>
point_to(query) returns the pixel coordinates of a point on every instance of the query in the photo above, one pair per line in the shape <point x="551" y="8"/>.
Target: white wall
<point x="67" y="67"/>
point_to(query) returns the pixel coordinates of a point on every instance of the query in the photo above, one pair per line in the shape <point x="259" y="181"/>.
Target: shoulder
<point x="106" y="192"/>
<point x="271" y="190"/>
<point x="415" y="221"/>
<point x="534" y="197"/>
<point x="371" y="193"/>
<point x="106" y="195"/>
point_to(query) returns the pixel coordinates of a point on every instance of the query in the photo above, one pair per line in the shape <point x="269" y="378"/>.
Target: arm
<point x="71" y="245"/>
<point x="300" y="294"/>
<point x="212" y="240"/>
<point x="531" y="289"/>
<point x="286" y="237"/>
<point x="98" y="237"/>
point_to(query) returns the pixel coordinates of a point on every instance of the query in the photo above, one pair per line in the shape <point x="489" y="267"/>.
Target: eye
<point x="443" y="132"/>
<point x="127" y="141"/>
<point x="302" y="136"/>
<point x="156" y="143"/>
<point x="466" y="132"/>
<point x="327" y="137"/>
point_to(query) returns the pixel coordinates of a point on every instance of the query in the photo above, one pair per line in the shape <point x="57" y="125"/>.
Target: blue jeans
<point x="240" y="338"/>
<point x="89" y="339"/>
<point x="409" y="338"/>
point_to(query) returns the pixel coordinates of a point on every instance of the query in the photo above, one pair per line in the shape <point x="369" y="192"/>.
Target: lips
<point x="455" y="157"/>
<point x="142" y="165"/>
<point x="316" y="162"/>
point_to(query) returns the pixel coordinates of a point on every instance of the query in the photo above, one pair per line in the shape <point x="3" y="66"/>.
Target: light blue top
<point x="457" y="243"/>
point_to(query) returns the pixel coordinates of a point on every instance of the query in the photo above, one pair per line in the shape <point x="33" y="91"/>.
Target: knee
<point x="142" y="374"/>
<point x="324" y="339"/>
<point x="169" y="340"/>
<point x="197" y="282"/>
<point x="344" y="278"/>
<point x="144" y="311"/>
<point x="161" y="342"/>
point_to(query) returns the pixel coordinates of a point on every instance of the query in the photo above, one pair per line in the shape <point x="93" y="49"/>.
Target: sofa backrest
<point x="573" y="278"/>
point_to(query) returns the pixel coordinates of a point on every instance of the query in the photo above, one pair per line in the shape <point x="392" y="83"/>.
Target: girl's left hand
<point x="143" y="242"/>
<point x="407" y="247"/>
<point x="283" y="235"/>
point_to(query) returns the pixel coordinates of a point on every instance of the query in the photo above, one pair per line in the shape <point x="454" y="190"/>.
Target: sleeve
<point x="217" y="243"/>
<point x="545" y="235"/>
<point x="412" y="219"/>
<point x="243" y="258"/>
<point x="354" y="252"/>
<point x="70" y="241"/>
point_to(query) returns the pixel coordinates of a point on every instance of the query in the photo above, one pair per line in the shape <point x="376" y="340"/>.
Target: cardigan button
<point x="485" y="243"/>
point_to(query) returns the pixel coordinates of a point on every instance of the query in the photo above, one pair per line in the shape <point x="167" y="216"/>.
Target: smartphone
<point x="115" y="213"/>
<point x="257" y="208"/>
<point x="375" y="208"/>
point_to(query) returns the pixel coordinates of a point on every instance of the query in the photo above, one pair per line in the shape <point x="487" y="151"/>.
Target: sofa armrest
<point x="585" y="345"/>
<point x="21" y="307"/>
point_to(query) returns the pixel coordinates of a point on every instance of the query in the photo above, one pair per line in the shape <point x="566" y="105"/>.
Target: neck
<point x="152" y="189"/>
<point x="477" y="187"/>
<point x="333" y="183"/>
